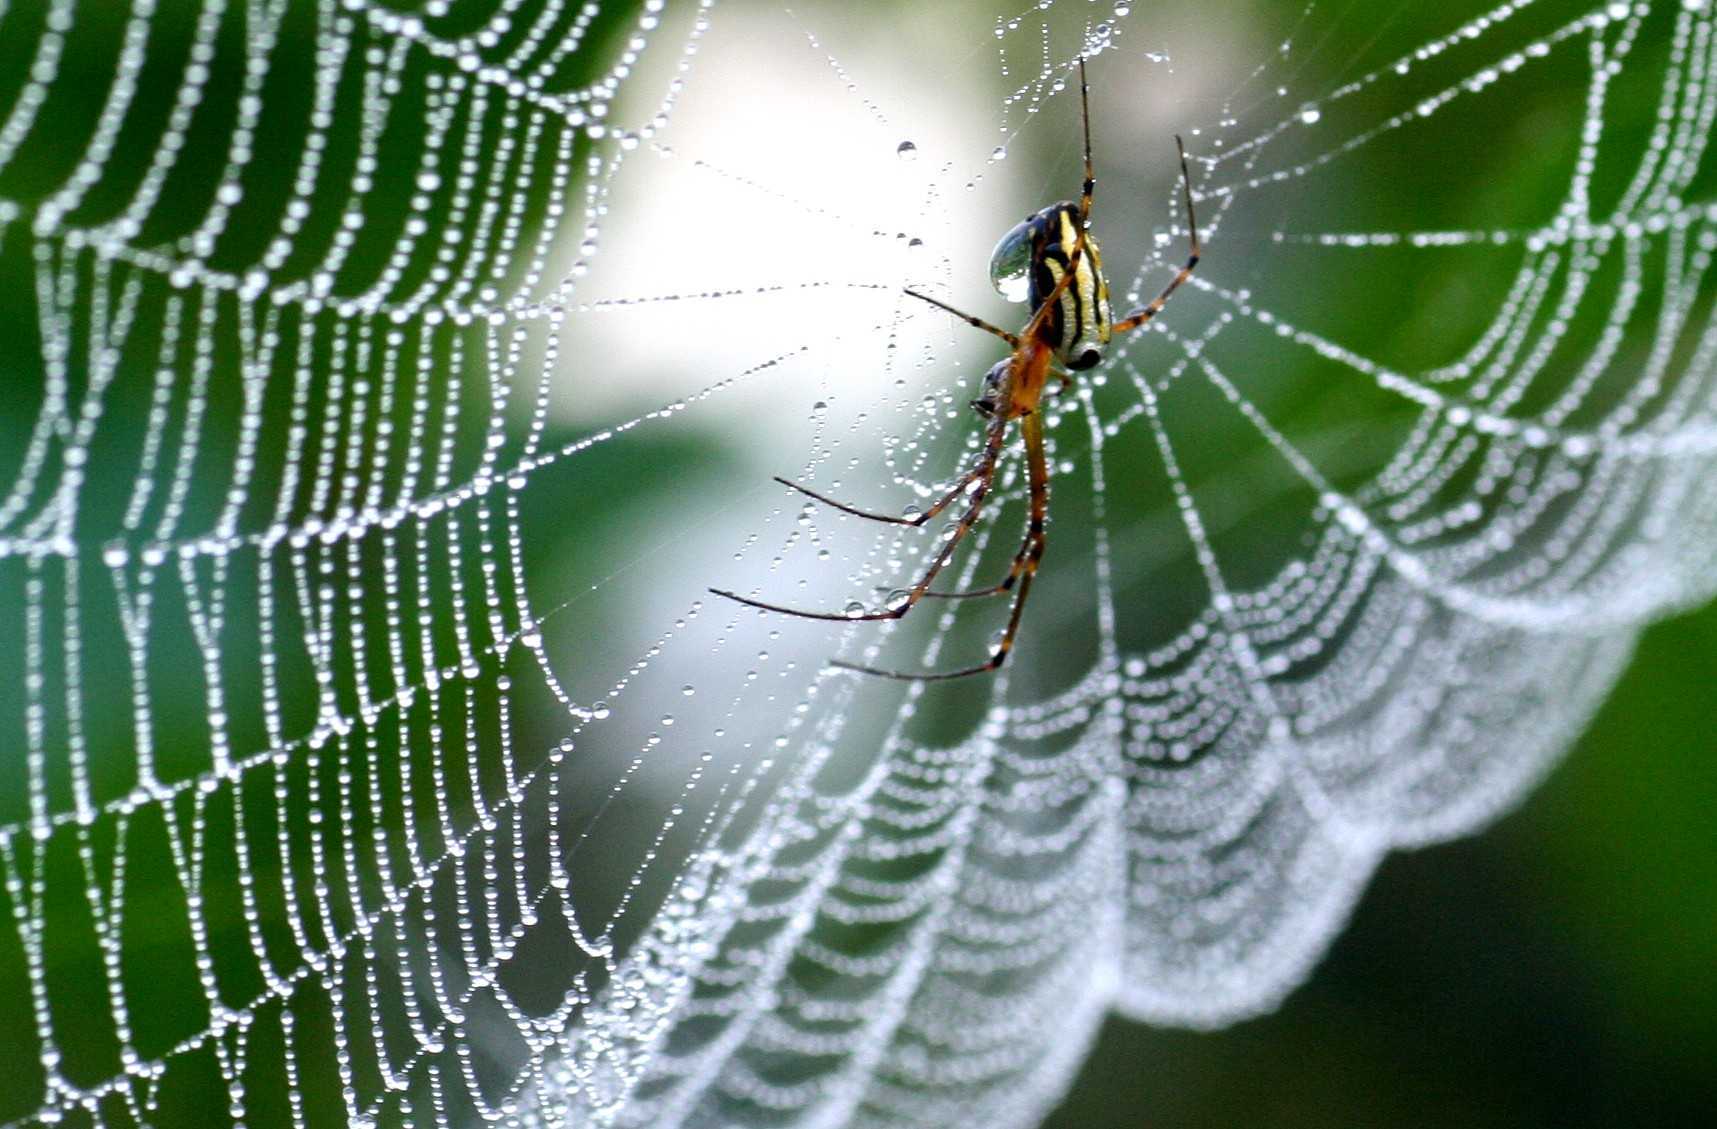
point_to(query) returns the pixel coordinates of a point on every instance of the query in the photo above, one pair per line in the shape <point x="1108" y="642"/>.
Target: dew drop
<point x="854" y="609"/>
<point x="906" y="151"/>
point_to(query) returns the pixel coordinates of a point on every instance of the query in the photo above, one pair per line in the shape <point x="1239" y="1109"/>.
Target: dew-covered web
<point x="385" y="384"/>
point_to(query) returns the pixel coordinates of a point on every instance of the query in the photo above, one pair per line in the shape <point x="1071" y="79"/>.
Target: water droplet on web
<point x="854" y="609"/>
<point x="999" y="153"/>
<point x="1310" y="115"/>
<point x="688" y="689"/>
<point x="906" y="151"/>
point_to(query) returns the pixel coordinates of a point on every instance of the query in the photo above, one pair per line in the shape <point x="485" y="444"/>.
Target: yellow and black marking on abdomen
<point x="1077" y="330"/>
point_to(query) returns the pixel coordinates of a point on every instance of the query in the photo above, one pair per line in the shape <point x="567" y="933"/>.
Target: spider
<point x="1051" y="260"/>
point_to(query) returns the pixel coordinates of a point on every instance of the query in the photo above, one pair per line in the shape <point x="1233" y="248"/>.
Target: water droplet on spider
<point x="999" y="153"/>
<point x="906" y="151"/>
<point x="854" y="609"/>
<point x="1010" y="263"/>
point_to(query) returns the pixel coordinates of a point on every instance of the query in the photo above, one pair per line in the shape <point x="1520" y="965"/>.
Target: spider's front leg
<point x="1019" y="577"/>
<point x="974" y="486"/>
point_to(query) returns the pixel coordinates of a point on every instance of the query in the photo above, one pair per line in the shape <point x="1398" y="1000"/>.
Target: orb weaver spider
<point x="1051" y="260"/>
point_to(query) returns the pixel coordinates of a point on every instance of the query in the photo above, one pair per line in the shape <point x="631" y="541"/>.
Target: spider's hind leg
<point x="976" y="322"/>
<point x="1146" y="313"/>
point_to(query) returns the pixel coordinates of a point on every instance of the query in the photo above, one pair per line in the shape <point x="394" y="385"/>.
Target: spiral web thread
<point x="279" y="444"/>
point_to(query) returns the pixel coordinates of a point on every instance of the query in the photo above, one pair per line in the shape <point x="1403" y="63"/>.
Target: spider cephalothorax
<point x="1050" y="261"/>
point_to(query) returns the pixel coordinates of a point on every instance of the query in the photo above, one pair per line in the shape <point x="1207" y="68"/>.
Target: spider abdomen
<point x="1037" y="251"/>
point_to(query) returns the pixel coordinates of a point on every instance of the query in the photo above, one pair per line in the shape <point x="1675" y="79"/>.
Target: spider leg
<point x="977" y="322"/>
<point x="1090" y="184"/>
<point x="1042" y="312"/>
<point x="1031" y="427"/>
<point x="1007" y="582"/>
<point x="1141" y="316"/>
<point x="941" y="504"/>
<point x="984" y="474"/>
<point x="1034" y="328"/>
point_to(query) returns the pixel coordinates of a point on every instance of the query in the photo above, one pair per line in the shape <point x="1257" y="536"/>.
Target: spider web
<point x="375" y="756"/>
